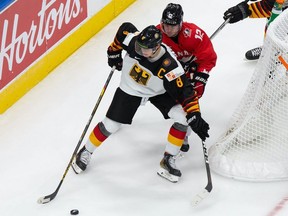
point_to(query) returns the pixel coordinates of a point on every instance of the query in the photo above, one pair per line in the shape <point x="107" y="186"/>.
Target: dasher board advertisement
<point x="29" y="28"/>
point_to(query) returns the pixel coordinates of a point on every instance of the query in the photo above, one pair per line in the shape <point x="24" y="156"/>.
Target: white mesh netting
<point x="255" y="145"/>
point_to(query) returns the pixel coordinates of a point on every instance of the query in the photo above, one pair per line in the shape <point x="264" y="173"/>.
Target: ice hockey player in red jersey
<point x="150" y="72"/>
<point x="192" y="47"/>
<point x="259" y="9"/>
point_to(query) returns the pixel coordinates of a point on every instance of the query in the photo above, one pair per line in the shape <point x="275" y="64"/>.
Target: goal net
<point x="255" y="145"/>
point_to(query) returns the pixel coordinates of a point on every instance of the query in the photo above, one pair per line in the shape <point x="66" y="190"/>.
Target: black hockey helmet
<point x="149" y="38"/>
<point x="172" y="14"/>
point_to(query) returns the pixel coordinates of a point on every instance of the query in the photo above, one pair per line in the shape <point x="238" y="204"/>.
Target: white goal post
<point x="255" y="145"/>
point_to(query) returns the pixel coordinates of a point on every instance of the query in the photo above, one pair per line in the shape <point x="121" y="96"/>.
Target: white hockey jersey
<point x="137" y="78"/>
<point x="148" y="77"/>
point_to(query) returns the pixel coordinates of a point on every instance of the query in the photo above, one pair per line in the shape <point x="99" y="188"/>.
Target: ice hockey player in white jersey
<point x="150" y="71"/>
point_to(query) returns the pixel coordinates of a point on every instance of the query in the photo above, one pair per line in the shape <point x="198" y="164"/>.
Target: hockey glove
<point x="194" y="119"/>
<point x="199" y="81"/>
<point x="115" y="58"/>
<point x="198" y="125"/>
<point x="237" y="13"/>
<point x="189" y="66"/>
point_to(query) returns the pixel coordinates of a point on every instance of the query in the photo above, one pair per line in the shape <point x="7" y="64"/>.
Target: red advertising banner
<point x="28" y="28"/>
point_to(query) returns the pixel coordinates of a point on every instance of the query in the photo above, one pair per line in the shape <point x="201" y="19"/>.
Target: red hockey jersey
<point x="192" y="41"/>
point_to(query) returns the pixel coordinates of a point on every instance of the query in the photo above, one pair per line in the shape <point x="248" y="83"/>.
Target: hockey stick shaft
<point x="209" y="185"/>
<point x="205" y="152"/>
<point x="48" y="198"/>
<point x="223" y="24"/>
<point x="219" y="28"/>
<point x="208" y="171"/>
<point x="203" y="194"/>
<point x="216" y="32"/>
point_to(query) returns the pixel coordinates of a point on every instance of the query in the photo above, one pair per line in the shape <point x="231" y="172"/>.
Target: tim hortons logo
<point x="29" y="28"/>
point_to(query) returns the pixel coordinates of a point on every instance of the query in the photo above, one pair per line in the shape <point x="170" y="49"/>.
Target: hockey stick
<point x="224" y="23"/>
<point x="216" y="32"/>
<point x="220" y="28"/>
<point x="203" y="194"/>
<point x="48" y="198"/>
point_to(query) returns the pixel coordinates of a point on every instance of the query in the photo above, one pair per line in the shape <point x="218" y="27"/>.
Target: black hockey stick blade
<point x="48" y="198"/>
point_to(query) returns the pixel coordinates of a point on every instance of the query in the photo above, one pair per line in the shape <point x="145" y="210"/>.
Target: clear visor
<point x="146" y="52"/>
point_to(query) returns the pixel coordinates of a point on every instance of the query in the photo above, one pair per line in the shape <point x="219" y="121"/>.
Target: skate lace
<point x="85" y="157"/>
<point x="257" y="51"/>
<point x="171" y="161"/>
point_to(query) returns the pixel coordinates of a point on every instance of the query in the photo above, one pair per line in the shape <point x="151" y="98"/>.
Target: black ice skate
<point x="168" y="168"/>
<point x="81" y="161"/>
<point x="253" y="54"/>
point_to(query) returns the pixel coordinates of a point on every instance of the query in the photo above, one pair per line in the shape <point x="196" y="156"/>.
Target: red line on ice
<point x="279" y="207"/>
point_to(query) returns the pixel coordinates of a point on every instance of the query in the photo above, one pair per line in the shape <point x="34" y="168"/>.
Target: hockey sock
<point x="175" y="138"/>
<point x="97" y="136"/>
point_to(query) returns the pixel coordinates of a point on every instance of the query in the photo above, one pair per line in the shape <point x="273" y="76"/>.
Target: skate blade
<point x="166" y="175"/>
<point x="75" y="168"/>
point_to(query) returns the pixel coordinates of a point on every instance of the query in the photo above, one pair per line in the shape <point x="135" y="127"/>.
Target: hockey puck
<point x="74" y="212"/>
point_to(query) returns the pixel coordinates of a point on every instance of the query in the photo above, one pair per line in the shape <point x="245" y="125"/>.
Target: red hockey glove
<point x="115" y="58"/>
<point x="238" y="12"/>
<point x="198" y="125"/>
<point x="199" y="81"/>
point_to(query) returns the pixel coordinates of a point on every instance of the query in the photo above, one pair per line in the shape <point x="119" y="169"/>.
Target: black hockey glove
<point x="198" y="125"/>
<point x="115" y="58"/>
<point x="189" y="66"/>
<point x="237" y="13"/>
<point x="199" y="81"/>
